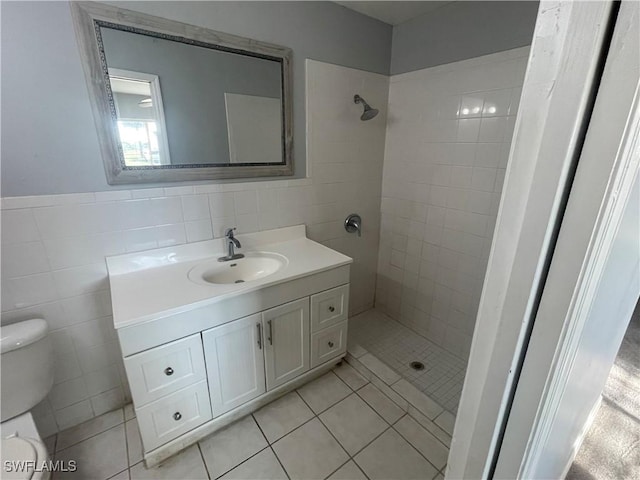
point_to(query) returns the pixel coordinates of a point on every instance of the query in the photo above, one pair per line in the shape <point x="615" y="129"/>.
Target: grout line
<point x="204" y="462"/>
<point x="280" y="462"/>
<point x="348" y="460"/>
<point x="89" y="437"/>
<point x="116" y="474"/>
<point x="235" y="466"/>
<point x="126" y="440"/>
<point x="412" y="446"/>
<point x="259" y="427"/>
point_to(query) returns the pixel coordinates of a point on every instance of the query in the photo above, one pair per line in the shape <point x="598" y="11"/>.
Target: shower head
<point x="369" y="112"/>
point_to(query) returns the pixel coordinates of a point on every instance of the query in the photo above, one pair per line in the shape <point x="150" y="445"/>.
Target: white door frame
<point x="556" y="100"/>
<point x="594" y="278"/>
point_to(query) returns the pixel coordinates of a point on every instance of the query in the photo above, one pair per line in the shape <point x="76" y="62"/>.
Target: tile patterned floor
<point x="397" y="346"/>
<point x="340" y="426"/>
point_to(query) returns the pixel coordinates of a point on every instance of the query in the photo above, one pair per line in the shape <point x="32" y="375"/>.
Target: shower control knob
<point x="330" y="344"/>
<point x="332" y="309"/>
<point x="353" y="223"/>
<point x="177" y="416"/>
<point x="168" y="371"/>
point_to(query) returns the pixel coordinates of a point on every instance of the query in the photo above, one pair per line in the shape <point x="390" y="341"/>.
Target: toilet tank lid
<point x="21" y="334"/>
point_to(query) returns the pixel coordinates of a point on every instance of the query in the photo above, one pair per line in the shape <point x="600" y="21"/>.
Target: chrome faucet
<point x="232" y="242"/>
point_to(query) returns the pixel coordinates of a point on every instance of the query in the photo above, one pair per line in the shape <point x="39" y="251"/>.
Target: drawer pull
<point x="259" y="325"/>
<point x="168" y="371"/>
<point x="270" y="332"/>
<point x="330" y="344"/>
<point x="332" y="309"/>
<point x="177" y="416"/>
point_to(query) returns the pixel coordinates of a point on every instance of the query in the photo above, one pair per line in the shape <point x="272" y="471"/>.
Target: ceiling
<point x="394" y="13"/>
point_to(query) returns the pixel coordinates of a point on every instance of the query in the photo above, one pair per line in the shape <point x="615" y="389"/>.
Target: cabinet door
<point x="286" y="333"/>
<point x="235" y="363"/>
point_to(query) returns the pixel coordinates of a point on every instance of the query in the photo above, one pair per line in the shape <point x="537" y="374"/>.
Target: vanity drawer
<point x="173" y="415"/>
<point x="165" y="369"/>
<point x="329" y="308"/>
<point x="330" y="342"/>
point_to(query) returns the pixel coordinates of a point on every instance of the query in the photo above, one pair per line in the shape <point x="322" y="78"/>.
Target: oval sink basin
<point x="253" y="266"/>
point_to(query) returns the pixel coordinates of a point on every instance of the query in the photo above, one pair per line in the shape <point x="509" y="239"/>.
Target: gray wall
<point x="461" y="30"/>
<point x="193" y="81"/>
<point x="49" y="142"/>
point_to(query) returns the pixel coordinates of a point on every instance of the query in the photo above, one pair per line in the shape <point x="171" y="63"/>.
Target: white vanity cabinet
<point x="199" y="355"/>
<point x="235" y="362"/>
<point x="287" y="342"/>
<point x="247" y="357"/>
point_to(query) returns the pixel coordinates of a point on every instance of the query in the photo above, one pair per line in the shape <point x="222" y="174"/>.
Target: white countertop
<point x="154" y="283"/>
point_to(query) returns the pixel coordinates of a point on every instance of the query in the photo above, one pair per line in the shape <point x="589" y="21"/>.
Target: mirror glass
<point x="178" y="104"/>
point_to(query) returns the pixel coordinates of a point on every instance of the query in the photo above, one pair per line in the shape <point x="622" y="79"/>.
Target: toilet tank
<point x="26" y="366"/>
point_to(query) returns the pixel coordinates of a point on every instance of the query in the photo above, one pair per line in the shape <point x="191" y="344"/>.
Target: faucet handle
<point x="229" y="232"/>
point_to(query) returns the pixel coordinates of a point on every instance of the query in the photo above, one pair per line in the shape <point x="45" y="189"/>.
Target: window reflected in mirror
<point x="140" y="117"/>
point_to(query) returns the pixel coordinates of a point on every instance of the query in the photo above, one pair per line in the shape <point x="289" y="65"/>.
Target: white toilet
<point x="27" y="377"/>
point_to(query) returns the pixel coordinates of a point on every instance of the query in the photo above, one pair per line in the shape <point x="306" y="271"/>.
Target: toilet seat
<point x="31" y="452"/>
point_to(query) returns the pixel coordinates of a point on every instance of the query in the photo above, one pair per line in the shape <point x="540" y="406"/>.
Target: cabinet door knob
<point x="332" y="308"/>
<point x="330" y="344"/>
<point x="168" y="371"/>
<point x="177" y="416"/>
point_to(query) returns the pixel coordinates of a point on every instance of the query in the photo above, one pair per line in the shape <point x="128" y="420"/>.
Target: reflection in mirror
<point x="254" y="126"/>
<point x="141" y="125"/>
<point x="224" y="109"/>
<point x="197" y="82"/>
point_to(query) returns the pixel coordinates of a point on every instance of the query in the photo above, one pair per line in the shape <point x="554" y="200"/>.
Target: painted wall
<point x="50" y="145"/>
<point x="461" y="30"/>
<point x="53" y="246"/>
<point x="448" y="138"/>
<point x="193" y="81"/>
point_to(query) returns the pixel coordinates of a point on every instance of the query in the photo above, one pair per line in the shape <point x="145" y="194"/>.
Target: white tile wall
<point x="448" y="139"/>
<point x="53" y="246"/>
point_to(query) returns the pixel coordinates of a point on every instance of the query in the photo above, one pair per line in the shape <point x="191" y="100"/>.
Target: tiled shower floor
<point x="398" y="346"/>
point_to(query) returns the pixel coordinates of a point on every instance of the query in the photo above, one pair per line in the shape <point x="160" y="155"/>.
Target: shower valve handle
<point x="353" y="223"/>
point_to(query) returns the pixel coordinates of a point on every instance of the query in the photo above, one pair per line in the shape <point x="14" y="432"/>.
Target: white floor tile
<point x="263" y="466"/>
<point x="283" y="415"/>
<point x="431" y="427"/>
<point x="99" y="457"/>
<point x="96" y="425"/>
<point x="124" y="475"/>
<point x="353" y="423"/>
<point x="185" y="465"/>
<point x="310" y="452"/>
<point x="418" y="399"/>
<point x="357" y="350"/>
<point x="50" y="442"/>
<point x="349" y="471"/>
<point x="428" y="445"/>
<point x="381" y="403"/>
<point x="391" y="457"/>
<point x="446" y="421"/>
<point x="350" y="376"/>
<point x="231" y="446"/>
<point x="134" y="442"/>
<point x="324" y="392"/>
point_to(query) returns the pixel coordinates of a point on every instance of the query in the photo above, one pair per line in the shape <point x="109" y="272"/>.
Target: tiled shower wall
<point x="448" y="138"/>
<point x="53" y="246"/>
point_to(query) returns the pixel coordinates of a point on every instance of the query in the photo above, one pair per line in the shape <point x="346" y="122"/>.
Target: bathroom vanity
<point x="206" y="342"/>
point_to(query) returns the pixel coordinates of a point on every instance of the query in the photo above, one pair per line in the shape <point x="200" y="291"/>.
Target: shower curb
<point x="422" y="408"/>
